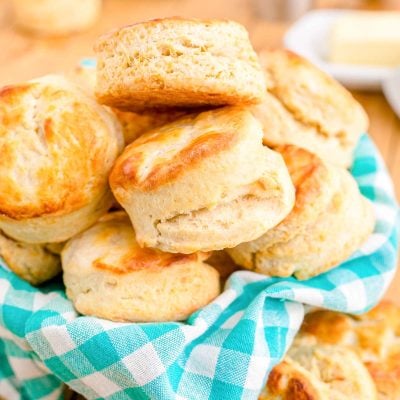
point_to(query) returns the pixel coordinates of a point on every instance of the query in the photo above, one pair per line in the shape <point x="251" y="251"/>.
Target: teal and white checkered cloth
<point x="224" y="351"/>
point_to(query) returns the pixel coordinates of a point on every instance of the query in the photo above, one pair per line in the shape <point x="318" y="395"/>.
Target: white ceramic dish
<point x="309" y="36"/>
<point x="391" y="89"/>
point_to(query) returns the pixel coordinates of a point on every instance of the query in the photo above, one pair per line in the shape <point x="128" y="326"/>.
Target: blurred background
<point x="266" y="20"/>
<point x="28" y="50"/>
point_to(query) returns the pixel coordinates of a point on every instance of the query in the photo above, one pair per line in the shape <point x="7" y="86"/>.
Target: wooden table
<point x="23" y="57"/>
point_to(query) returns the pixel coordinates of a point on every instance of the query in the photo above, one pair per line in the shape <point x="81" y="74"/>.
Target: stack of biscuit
<point x="210" y="154"/>
<point x="338" y="356"/>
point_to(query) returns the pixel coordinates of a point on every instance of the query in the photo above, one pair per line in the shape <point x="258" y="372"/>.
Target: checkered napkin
<point x="223" y="351"/>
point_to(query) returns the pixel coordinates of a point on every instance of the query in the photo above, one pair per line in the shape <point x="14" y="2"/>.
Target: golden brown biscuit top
<point x="375" y="336"/>
<point x="386" y="314"/>
<point x="162" y="155"/>
<point x="135" y="124"/>
<point x="312" y="96"/>
<point x="337" y="356"/>
<point x="372" y="332"/>
<point x="114" y="248"/>
<point x="387" y="375"/>
<point x="57" y="146"/>
<point x="286" y="380"/>
<point x="328" y="326"/>
<point x="319" y="372"/>
<point x="379" y="336"/>
<point x="171" y="23"/>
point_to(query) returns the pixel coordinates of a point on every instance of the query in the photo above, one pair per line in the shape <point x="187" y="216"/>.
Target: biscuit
<point x="108" y="275"/>
<point x="330" y="220"/>
<point x="178" y="63"/>
<point x="306" y="107"/>
<point x="133" y="124"/>
<point x="31" y="262"/>
<point x="56" y="17"/>
<point x="58" y="147"/>
<point x="374" y="336"/>
<point x="203" y="182"/>
<point x="319" y="372"/>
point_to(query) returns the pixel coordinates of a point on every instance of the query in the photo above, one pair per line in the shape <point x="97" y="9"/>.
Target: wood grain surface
<point x="23" y="56"/>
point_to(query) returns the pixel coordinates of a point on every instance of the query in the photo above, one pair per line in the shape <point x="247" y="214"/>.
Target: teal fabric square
<point x="101" y="359"/>
<point x="58" y="366"/>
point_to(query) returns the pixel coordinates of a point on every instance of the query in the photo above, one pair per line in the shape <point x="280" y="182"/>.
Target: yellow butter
<point x="366" y="37"/>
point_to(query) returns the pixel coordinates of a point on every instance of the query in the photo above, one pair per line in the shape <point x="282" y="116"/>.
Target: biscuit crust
<point x="135" y="124"/>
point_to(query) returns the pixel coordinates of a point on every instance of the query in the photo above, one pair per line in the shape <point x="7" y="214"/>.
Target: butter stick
<point x="366" y="37"/>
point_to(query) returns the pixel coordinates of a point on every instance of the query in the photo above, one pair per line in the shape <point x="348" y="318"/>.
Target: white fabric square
<point x="203" y="360"/>
<point x="226" y="298"/>
<point x="387" y="279"/>
<point x="25" y="368"/>
<point x="191" y="332"/>
<point x="59" y="339"/>
<point x="138" y="364"/>
<point x="295" y="312"/>
<point x="308" y="295"/>
<point x="250" y="277"/>
<point x="100" y="384"/>
<point x="355" y="295"/>
<point x="383" y="181"/>
<point x="260" y="346"/>
<point x="7" y="390"/>
<point x="373" y="243"/>
<point x="109" y="325"/>
<point x="69" y="316"/>
<point x="256" y="372"/>
<point x="4" y="287"/>
<point x="385" y="212"/>
<point x="40" y="300"/>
